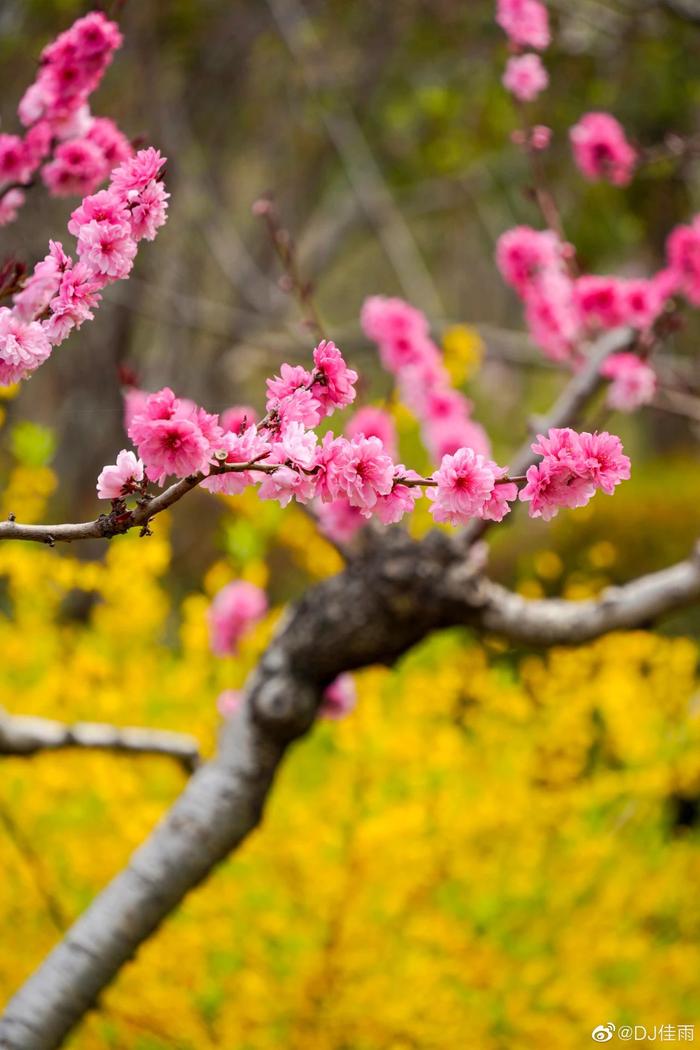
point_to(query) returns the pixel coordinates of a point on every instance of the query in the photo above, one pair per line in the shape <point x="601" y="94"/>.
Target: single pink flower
<point x="234" y="610"/>
<point x="601" y="150"/>
<point x="334" y="382"/>
<point x="364" y="472"/>
<point x="524" y="254"/>
<point x="173" y="446"/>
<point x="134" y="174"/>
<point x="23" y="347"/>
<point x="374" y="422"/>
<point x="339" y="698"/>
<point x="392" y="507"/>
<point x="238" y="418"/>
<point x="605" y="460"/>
<point x="525" y="22"/>
<point x="229" y="702"/>
<point x="464" y="483"/>
<point x="338" y="520"/>
<point x="107" y="248"/>
<point x="122" y="478"/>
<point x="525" y="77"/>
<point x="683" y="250"/>
<point x="633" y="382"/>
<point x="600" y="301"/>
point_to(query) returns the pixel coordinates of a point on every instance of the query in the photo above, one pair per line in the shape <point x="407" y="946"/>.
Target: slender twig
<point x="22" y="735"/>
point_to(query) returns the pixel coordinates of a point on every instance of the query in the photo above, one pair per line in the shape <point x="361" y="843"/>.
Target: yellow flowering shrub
<point x="495" y="850"/>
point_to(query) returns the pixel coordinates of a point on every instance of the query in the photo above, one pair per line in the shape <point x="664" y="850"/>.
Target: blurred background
<point x="499" y="848"/>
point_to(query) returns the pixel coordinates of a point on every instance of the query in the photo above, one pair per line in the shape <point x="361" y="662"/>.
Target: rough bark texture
<point x="386" y="600"/>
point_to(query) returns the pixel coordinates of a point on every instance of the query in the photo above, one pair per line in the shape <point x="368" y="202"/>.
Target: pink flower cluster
<point x="235" y="609"/>
<point x="82" y="149"/>
<point x="348" y="478"/>
<point x="280" y="453"/>
<point x="573" y="467"/>
<point x="633" y="381"/>
<point x="407" y="351"/>
<point x="526" y="24"/>
<point x="561" y="310"/>
<point x="61" y="293"/>
<point x="601" y="149"/>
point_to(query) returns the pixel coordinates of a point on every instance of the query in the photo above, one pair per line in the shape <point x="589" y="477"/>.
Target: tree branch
<point x="390" y="597"/>
<point x="117" y="522"/>
<point x="25" y="735"/>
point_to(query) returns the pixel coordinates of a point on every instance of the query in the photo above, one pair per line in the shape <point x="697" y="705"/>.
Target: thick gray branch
<point x="552" y="621"/>
<point x="385" y="601"/>
<point x="25" y="735"/>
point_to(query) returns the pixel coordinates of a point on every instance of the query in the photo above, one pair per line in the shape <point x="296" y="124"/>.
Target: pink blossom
<point x="15" y="163"/>
<point x="134" y="174"/>
<point x="290" y="379"/>
<point x="573" y="467"/>
<point x="496" y="508"/>
<point x="551" y="315"/>
<point x="294" y="452"/>
<point x="525" y="77"/>
<point x="551" y="485"/>
<point x="601" y="150"/>
<point x="78" y="293"/>
<point x="107" y="248"/>
<point x="235" y="609"/>
<point x="122" y="478"/>
<point x="172" y="446"/>
<point x="37" y="142"/>
<point x="285" y="484"/>
<point x="338" y="520"/>
<point x="112" y="142"/>
<point x="401" y="500"/>
<point x="103" y="206"/>
<point x="524" y="254"/>
<point x="238" y="418"/>
<point x="384" y="320"/>
<point x="464" y="485"/>
<point x="229" y="702"/>
<point x="644" y="301"/>
<point x="540" y="137"/>
<point x="600" y="301"/>
<point x="333" y="382"/>
<point x="23" y="347"/>
<point x="10" y="203"/>
<point x="525" y="22"/>
<point x="77" y="167"/>
<point x="135" y="404"/>
<point x="94" y="35"/>
<point x="605" y="460"/>
<point x="363" y="472"/>
<point x="41" y="287"/>
<point x="683" y="250"/>
<point x="339" y="698"/>
<point x="445" y="437"/>
<point x="290" y="399"/>
<point x="148" y="211"/>
<point x="374" y="422"/>
<point x="247" y="446"/>
<point x="633" y="382"/>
